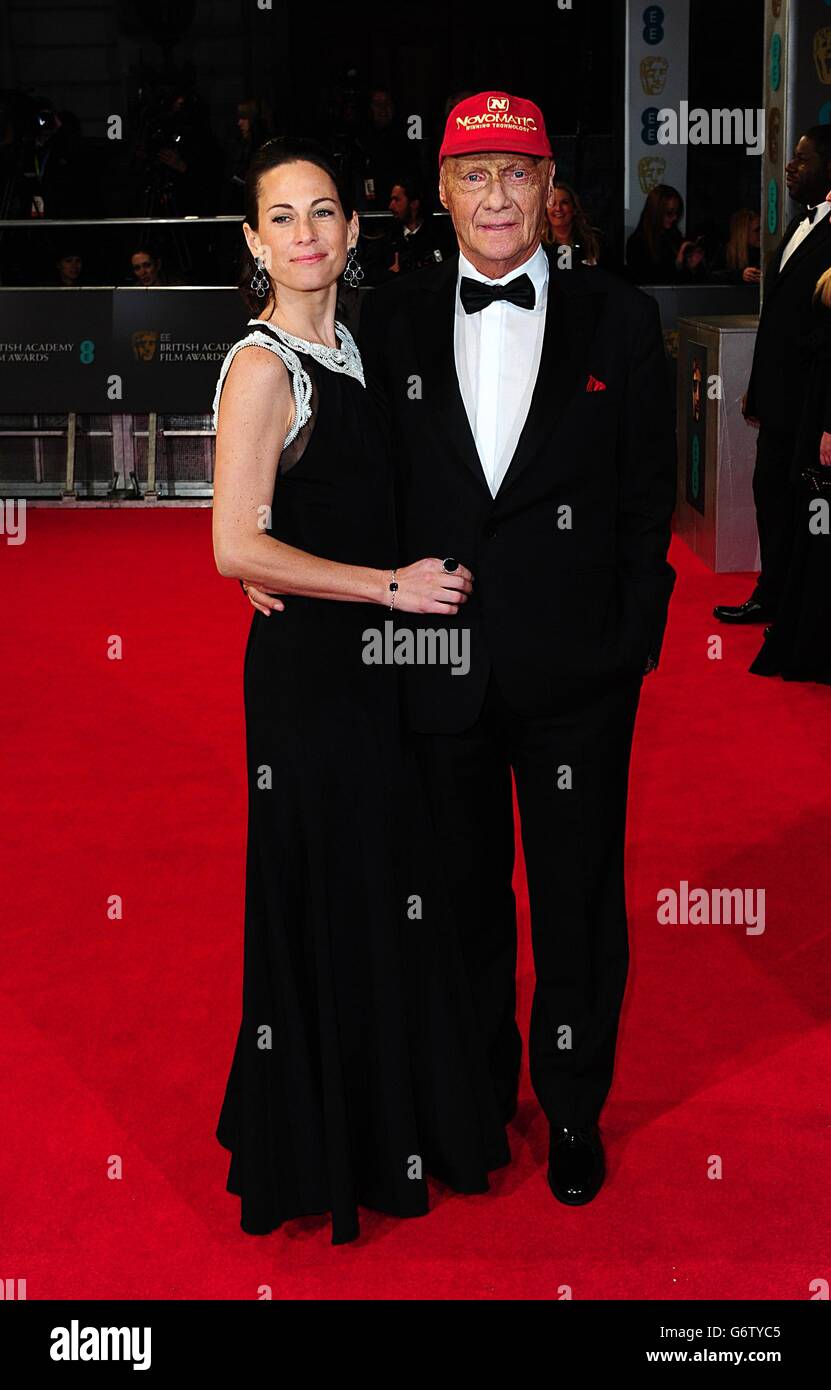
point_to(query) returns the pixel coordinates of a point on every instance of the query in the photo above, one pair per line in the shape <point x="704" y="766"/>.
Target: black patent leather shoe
<point x="576" y="1164"/>
<point x="749" y="612"/>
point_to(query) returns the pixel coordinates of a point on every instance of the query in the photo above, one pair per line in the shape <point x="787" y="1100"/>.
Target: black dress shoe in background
<point x="749" y="612"/>
<point x="576" y="1164"/>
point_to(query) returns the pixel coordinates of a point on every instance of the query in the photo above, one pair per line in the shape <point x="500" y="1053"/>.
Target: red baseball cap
<point x="495" y="121"/>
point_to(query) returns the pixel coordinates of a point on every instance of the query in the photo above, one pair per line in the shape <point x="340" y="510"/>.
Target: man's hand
<point x="752" y="275"/>
<point x="262" y="599"/>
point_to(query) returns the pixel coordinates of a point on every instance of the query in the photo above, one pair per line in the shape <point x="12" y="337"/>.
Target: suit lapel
<point x="435" y="341"/>
<point x="571" y="318"/>
<point x="815" y="238"/>
<point x="775" y="266"/>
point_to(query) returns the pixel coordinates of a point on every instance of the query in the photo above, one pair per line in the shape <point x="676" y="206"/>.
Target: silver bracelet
<point x="393" y="589"/>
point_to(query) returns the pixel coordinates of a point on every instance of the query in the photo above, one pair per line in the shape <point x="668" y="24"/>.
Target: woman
<point x="739" y="261"/>
<point x="797" y="646"/>
<point x="657" y="253"/>
<point x="358" y="1067"/>
<point x="568" y="225"/>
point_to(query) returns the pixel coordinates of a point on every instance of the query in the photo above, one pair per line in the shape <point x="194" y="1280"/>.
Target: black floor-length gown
<point x="358" y="1067"/>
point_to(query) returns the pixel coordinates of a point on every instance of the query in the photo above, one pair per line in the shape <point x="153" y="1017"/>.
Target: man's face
<point x="145" y="268"/>
<point x="805" y="175"/>
<point x="399" y="203"/>
<point x="381" y="109"/>
<point x="497" y="204"/>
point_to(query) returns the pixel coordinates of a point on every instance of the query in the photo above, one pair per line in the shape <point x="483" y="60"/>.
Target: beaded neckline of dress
<point x="345" y="358"/>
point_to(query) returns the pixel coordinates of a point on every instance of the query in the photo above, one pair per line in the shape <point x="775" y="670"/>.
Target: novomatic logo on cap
<point x="495" y="121"/>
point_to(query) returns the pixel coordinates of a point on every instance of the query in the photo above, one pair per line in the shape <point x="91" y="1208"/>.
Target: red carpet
<point x="127" y="778"/>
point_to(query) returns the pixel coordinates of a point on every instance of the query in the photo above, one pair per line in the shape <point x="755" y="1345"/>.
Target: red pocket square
<point x="594" y="385"/>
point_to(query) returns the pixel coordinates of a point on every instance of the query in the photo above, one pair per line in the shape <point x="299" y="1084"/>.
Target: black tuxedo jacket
<point x="781" y="357"/>
<point x="571" y="579"/>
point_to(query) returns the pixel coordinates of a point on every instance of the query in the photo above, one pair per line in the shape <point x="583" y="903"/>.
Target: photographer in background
<point x="55" y="172"/>
<point x="178" y="158"/>
<point x="253" y="129"/>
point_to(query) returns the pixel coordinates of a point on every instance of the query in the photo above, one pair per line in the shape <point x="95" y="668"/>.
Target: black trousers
<point x="571" y="769"/>
<point x="773" y="496"/>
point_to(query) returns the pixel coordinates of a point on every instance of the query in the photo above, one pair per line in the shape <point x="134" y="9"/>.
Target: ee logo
<point x="773" y="206"/>
<point x="653" y="24"/>
<point x="649" y="126"/>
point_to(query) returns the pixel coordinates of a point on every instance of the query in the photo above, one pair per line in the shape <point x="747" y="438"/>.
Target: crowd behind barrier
<point x="101" y="384"/>
<point x="96" y="383"/>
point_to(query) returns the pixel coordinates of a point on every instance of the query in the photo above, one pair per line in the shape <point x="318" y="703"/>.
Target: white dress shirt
<point x="804" y="230"/>
<point x="497" y="359"/>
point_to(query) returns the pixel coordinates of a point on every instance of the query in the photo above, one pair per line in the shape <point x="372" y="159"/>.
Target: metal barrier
<point x="128" y="480"/>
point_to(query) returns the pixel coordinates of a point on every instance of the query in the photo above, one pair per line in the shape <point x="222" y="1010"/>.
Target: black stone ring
<point x="449" y="565"/>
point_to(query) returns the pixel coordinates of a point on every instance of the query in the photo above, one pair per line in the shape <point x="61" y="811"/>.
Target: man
<point x="533" y="422"/>
<point x="386" y="150"/>
<point x="777" y="381"/>
<point x="415" y="241"/>
<point x="532" y="413"/>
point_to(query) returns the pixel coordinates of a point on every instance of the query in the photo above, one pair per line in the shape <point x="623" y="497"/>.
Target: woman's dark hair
<point x="274" y="153"/>
<point x="651" y="224"/>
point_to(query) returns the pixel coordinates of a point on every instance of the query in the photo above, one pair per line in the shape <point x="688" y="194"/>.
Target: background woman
<point x="657" y="253"/>
<point x="738" y="262"/>
<point x="568" y="225"/>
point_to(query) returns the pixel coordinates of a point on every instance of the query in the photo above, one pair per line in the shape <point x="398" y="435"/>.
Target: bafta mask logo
<point x="654" y="75"/>
<point x="651" y="171"/>
<point x="822" y="55"/>
<point x="498" y="103"/>
<point x="145" y="343"/>
<point x="774" y="134"/>
<point x="777" y="8"/>
<point x="696" y="390"/>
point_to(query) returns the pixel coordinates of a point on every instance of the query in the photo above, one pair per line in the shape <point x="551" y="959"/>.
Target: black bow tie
<point x="478" y="294"/>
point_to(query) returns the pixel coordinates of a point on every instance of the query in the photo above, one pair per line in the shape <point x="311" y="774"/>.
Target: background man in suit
<point x="777" y="381"/>
<point x="531" y="413"/>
